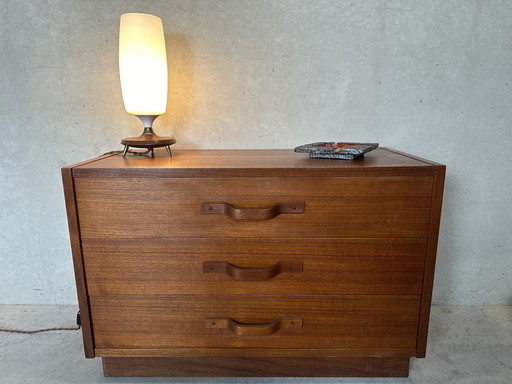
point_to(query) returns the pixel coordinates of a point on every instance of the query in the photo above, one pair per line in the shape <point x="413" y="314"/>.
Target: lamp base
<point x="149" y="140"/>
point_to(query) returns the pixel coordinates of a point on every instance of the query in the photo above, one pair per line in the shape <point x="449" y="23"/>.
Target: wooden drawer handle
<point x="240" y="329"/>
<point x="241" y="213"/>
<point x="252" y="274"/>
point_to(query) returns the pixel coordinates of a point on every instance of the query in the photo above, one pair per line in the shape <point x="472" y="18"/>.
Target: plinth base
<point x="257" y="367"/>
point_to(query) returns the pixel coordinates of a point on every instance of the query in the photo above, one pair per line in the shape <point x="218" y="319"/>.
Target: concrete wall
<point x="433" y="78"/>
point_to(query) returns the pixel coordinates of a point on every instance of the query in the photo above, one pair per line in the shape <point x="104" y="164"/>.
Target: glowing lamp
<point x="143" y="72"/>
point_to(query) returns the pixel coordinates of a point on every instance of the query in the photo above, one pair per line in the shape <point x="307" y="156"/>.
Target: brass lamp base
<point x="148" y="140"/>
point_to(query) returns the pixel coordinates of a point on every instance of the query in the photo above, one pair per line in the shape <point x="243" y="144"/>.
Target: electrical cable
<point x="39" y="330"/>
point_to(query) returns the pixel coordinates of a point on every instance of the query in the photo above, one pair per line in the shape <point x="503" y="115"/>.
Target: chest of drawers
<point x="254" y="262"/>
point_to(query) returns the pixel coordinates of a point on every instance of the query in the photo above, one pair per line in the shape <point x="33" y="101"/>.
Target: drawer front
<point x="277" y="322"/>
<point x="242" y="266"/>
<point x="253" y="207"/>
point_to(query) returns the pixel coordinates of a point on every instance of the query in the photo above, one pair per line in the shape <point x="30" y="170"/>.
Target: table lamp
<point x="143" y="73"/>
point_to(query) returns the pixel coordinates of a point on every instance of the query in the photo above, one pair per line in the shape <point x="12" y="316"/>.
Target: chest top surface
<point x="251" y="163"/>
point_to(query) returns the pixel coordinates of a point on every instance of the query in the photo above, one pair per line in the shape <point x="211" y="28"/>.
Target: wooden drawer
<point x="333" y="207"/>
<point x="243" y="266"/>
<point x="236" y="321"/>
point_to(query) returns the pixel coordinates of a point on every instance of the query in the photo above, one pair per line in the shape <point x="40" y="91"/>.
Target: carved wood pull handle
<point x="241" y="213"/>
<point x="240" y="329"/>
<point x="252" y="274"/>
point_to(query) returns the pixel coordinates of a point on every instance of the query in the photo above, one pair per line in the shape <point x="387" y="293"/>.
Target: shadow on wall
<point x="180" y="100"/>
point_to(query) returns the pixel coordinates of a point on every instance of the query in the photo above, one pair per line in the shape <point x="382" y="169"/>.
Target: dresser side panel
<point x="430" y="259"/>
<point x="78" y="265"/>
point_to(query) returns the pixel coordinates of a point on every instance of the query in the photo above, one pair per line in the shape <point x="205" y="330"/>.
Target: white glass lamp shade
<point x="143" y="64"/>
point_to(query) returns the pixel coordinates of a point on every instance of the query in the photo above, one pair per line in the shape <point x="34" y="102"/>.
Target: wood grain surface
<point x="334" y="207"/>
<point x="430" y="259"/>
<point x="144" y="240"/>
<point x="178" y="321"/>
<point x="252" y="163"/>
<point x="336" y="266"/>
<point x="216" y="366"/>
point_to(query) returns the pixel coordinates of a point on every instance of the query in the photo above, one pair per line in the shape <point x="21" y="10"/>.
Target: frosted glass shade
<point x="143" y="64"/>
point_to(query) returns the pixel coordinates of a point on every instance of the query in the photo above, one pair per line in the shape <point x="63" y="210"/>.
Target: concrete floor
<point x="466" y="345"/>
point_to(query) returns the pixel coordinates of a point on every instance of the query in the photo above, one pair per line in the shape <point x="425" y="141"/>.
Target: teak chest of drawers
<point x="254" y="262"/>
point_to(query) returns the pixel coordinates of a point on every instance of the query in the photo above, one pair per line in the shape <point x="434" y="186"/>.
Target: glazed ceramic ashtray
<point x="334" y="150"/>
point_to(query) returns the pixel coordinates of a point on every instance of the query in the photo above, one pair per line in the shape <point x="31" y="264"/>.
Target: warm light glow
<point x="143" y="64"/>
